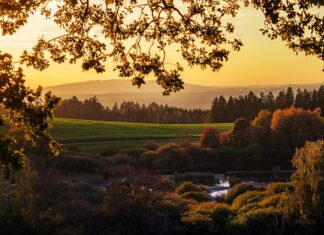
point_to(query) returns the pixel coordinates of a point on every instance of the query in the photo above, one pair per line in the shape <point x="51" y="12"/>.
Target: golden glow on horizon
<point x="261" y="61"/>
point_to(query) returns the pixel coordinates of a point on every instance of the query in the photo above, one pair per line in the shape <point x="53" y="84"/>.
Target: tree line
<point x="248" y="106"/>
<point x="128" y="111"/>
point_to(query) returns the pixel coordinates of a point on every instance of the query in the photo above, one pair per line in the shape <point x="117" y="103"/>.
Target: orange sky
<point x="261" y="61"/>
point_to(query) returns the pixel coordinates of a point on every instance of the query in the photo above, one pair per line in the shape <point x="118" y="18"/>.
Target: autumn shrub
<point x="175" y="158"/>
<point x="209" y="138"/>
<point x="146" y="159"/>
<point x="217" y="215"/>
<point x="237" y="190"/>
<point x="133" y="152"/>
<point x="151" y="145"/>
<point x="248" y="200"/>
<point x="122" y="159"/>
<point x="78" y="164"/>
<point x="197" y="196"/>
<point x="198" y="155"/>
<point x="189" y="187"/>
<point x="280" y="187"/>
<point x="256" y="157"/>
<point x="108" y="152"/>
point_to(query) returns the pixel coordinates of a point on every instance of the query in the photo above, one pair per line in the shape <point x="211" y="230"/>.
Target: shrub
<point x="151" y="145"/>
<point x="277" y="188"/>
<point x="197" y="196"/>
<point x="133" y="152"/>
<point x="122" y="159"/>
<point x="166" y="185"/>
<point x="217" y="215"/>
<point x="237" y="190"/>
<point x="256" y="157"/>
<point x="147" y="158"/>
<point x="198" y="154"/>
<point x="78" y="164"/>
<point x="175" y="158"/>
<point x="225" y="157"/>
<point x="209" y="138"/>
<point x="189" y="187"/>
<point x="242" y="201"/>
<point x="108" y="152"/>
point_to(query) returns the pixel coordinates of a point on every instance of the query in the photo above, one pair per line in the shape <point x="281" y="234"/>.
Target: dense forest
<point x="248" y="106"/>
<point x="128" y="111"/>
<point x="222" y="109"/>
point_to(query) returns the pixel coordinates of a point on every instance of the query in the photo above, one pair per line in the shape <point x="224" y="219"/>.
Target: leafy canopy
<point x="135" y="34"/>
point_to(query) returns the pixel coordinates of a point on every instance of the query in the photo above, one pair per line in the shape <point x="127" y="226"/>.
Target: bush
<point x="108" y="152"/>
<point x="133" y="152"/>
<point x="209" y="138"/>
<point x="237" y="190"/>
<point x="197" y="154"/>
<point x="175" y="158"/>
<point x="78" y="164"/>
<point x="189" y="187"/>
<point x="151" y="145"/>
<point x="225" y="157"/>
<point x="256" y="157"/>
<point x="216" y="215"/>
<point x="277" y="188"/>
<point x="147" y="158"/>
<point x="196" y="177"/>
<point x="122" y="159"/>
<point x="197" y="196"/>
<point x="242" y="201"/>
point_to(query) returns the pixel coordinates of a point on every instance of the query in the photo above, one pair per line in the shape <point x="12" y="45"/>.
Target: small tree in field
<point x="309" y="181"/>
<point x="209" y="138"/>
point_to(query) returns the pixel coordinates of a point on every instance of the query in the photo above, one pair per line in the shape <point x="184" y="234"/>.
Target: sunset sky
<point x="261" y="61"/>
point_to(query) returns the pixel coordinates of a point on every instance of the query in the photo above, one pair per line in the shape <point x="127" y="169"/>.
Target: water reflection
<point x="221" y="188"/>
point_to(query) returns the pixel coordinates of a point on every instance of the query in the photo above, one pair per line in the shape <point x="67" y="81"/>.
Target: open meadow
<point x="84" y="131"/>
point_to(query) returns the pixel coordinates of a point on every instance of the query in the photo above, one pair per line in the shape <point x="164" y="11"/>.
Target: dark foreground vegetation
<point x="138" y="201"/>
<point x="127" y="191"/>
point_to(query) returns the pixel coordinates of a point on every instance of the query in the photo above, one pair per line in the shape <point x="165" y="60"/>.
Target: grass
<point x="83" y="131"/>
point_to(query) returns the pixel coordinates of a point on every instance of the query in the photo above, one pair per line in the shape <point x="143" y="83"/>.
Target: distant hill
<point x="194" y="96"/>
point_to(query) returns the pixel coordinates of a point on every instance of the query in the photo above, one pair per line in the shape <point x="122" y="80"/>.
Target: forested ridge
<point x="128" y="111"/>
<point x="249" y="105"/>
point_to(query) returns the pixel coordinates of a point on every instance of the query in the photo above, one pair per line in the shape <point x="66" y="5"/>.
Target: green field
<point x="84" y="131"/>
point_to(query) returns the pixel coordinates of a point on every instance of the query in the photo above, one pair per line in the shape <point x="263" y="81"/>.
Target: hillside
<point x="194" y="96"/>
